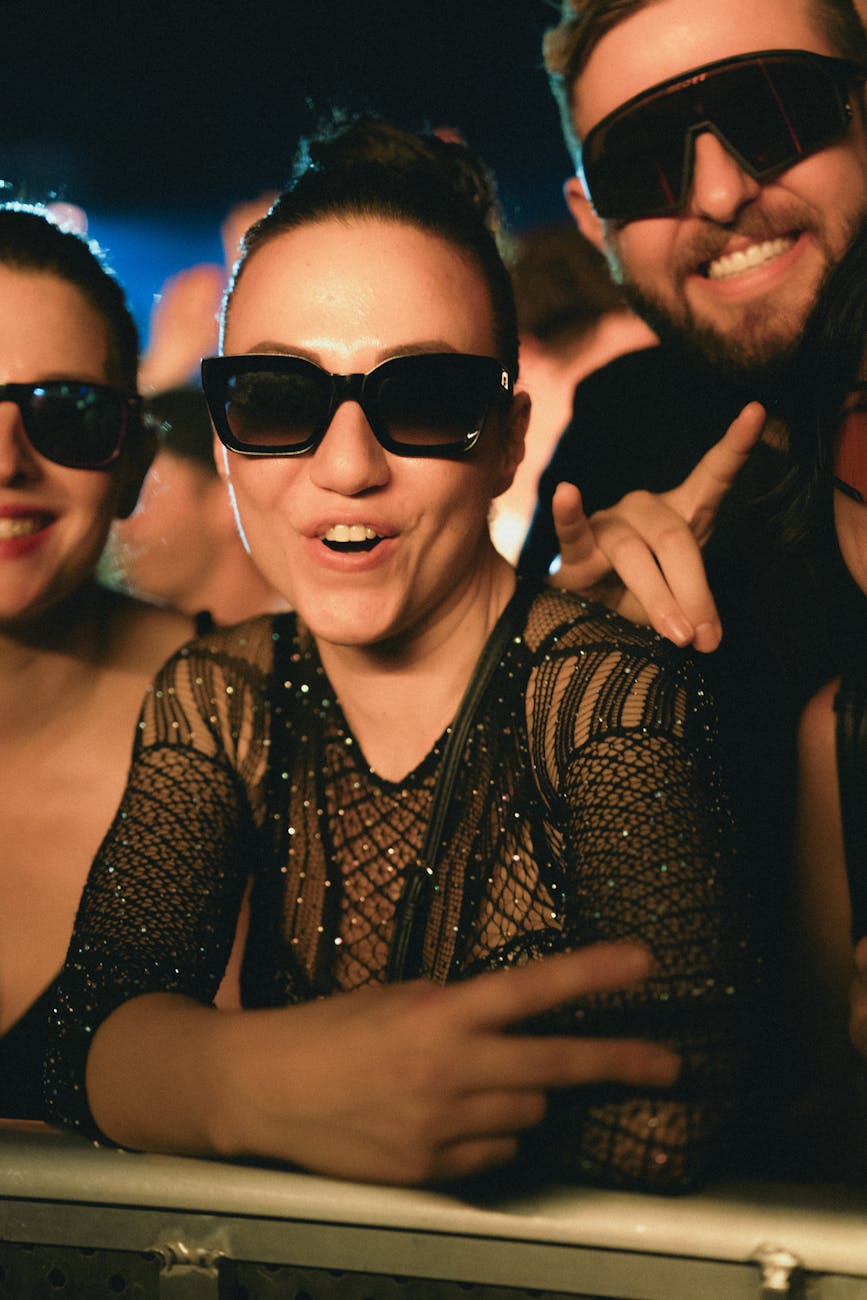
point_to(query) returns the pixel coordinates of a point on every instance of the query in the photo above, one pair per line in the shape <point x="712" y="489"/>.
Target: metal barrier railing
<point x="86" y="1222"/>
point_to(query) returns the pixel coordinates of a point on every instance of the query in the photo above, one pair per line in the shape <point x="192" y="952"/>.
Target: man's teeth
<point x="350" y="533"/>
<point x="23" y="526"/>
<point x="749" y="258"/>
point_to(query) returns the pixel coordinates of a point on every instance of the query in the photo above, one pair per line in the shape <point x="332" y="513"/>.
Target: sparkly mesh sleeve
<point x="624" y="746"/>
<point x="140" y="927"/>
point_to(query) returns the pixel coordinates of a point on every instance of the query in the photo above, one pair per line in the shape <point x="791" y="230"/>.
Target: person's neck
<point x="68" y="626"/>
<point x="47" y="662"/>
<point x="399" y="696"/>
<point x="235" y="591"/>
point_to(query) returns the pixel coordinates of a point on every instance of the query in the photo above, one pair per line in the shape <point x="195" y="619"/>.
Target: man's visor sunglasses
<point x="430" y="404"/>
<point x="768" y="109"/>
<point x="73" y="423"/>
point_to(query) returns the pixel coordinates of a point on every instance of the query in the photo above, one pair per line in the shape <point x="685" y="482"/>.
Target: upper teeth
<point x="350" y="533"/>
<point x="747" y="258"/>
<point x="19" y="527"/>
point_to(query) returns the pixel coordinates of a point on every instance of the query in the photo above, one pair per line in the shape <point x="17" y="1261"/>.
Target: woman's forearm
<point x="410" y="1083"/>
<point x="160" y="1073"/>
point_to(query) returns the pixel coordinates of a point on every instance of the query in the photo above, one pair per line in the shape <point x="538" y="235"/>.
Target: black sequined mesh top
<point x="588" y="805"/>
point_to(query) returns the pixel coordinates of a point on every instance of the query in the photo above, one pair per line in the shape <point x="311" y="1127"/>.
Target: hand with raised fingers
<point x="642" y="557"/>
<point x="420" y="1083"/>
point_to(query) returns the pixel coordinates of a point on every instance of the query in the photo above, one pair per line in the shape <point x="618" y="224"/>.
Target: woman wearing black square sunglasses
<point x="439" y="774"/>
<point x="76" y="658"/>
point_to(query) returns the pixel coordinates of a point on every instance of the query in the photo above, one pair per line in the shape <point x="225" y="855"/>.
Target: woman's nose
<point x="16" y="454"/>
<point x="349" y="459"/>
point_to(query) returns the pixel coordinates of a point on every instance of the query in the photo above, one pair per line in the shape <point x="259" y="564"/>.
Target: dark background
<point x="156" y="117"/>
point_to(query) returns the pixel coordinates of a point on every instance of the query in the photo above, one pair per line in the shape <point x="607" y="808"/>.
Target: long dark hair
<point x="830" y="362"/>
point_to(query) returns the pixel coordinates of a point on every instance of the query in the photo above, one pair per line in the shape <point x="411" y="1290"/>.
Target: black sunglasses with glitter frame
<point x="73" y="422"/>
<point x="768" y="108"/>
<point x="430" y="404"/>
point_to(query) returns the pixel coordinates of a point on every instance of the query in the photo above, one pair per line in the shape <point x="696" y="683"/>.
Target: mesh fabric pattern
<point x="589" y="805"/>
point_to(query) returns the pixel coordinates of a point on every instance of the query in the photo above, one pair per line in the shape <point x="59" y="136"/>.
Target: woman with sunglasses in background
<point x="75" y="657"/>
<point x="475" y="806"/>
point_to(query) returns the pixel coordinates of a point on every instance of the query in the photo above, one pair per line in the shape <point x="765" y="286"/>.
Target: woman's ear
<point x="221" y="513"/>
<point x="221" y="457"/>
<point x="512" y="449"/>
<point x="139" y="451"/>
<point x="221" y="460"/>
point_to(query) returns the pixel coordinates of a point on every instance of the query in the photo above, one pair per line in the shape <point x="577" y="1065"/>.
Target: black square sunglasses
<point x="768" y="109"/>
<point x="73" y="423"/>
<point x="428" y="404"/>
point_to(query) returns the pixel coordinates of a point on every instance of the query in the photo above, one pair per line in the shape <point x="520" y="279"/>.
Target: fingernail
<point x="666" y="1067"/>
<point x="678" y="629"/>
<point x="636" y="960"/>
<point x="707" y="636"/>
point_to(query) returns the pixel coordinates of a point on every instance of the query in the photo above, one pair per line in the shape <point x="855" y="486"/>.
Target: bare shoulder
<point x="580" y="626"/>
<point x="140" y="636"/>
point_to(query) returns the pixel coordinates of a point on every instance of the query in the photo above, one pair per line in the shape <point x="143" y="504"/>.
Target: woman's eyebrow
<point x="268" y="347"/>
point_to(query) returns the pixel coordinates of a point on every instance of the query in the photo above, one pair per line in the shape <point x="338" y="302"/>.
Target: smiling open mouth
<point x="732" y="264"/>
<point x="23" y="526"/>
<point x="351" y="537"/>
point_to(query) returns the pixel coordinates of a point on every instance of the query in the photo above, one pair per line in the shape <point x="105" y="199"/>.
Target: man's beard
<point x="754" y="356"/>
<point x="760" y="349"/>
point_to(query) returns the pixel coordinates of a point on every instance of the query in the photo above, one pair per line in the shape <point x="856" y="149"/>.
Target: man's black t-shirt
<point x="643" y="421"/>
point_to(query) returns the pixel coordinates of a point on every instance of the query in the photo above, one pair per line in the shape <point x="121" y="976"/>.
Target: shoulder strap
<point x="404" y="956"/>
<point x="851" y="706"/>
